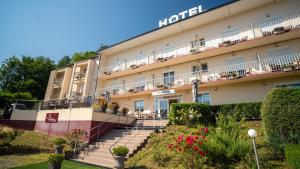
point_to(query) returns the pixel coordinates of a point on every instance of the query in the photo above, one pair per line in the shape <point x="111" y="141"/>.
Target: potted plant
<point x="228" y="43"/>
<point x="103" y="106"/>
<point x="120" y="153"/>
<point x="160" y="86"/>
<point x="54" y="161"/>
<point x="96" y="107"/>
<point x="59" y="145"/>
<point x="115" y="107"/>
<point x="131" y="90"/>
<point x="287" y="67"/>
<point x="124" y="111"/>
<point x="279" y="30"/>
<point x="193" y="50"/>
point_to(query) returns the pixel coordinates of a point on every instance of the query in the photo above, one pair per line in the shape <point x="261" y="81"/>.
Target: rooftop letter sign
<point x="51" y="118"/>
<point x="181" y="15"/>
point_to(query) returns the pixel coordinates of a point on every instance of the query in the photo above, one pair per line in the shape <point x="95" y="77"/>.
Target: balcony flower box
<point x="267" y="33"/>
<point x="160" y="86"/>
<point x="131" y="91"/>
<point x="194" y="50"/>
<point x="161" y="59"/>
<point x="134" y="66"/>
<point x="287" y="68"/>
<point x="275" y="68"/>
<point x="224" y="75"/>
<point x="244" y="39"/>
<point x="228" y="43"/>
<point x="279" y="30"/>
<point x="107" y="73"/>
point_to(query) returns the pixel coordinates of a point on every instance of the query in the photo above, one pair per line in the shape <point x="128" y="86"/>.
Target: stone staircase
<point x="133" y="136"/>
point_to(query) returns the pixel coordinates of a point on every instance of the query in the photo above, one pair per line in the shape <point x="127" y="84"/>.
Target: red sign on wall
<point x="51" y="118"/>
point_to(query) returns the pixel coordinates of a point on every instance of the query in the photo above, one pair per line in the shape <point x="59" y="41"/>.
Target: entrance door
<point x="163" y="108"/>
<point x="162" y="105"/>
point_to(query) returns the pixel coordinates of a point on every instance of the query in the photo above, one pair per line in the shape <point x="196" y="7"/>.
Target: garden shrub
<point x="226" y="144"/>
<point x="8" y="134"/>
<point x="239" y="110"/>
<point x="191" y="114"/>
<point x="281" y="114"/>
<point x="292" y="152"/>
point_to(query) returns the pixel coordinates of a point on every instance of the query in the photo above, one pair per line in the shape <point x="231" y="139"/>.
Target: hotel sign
<point x="181" y="15"/>
<point x="51" y="118"/>
<point x="163" y="92"/>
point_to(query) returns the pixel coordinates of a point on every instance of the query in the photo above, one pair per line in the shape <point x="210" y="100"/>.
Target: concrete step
<point x="98" y="153"/>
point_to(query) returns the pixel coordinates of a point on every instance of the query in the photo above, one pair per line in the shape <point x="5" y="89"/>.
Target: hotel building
<point x="238" y="52"/>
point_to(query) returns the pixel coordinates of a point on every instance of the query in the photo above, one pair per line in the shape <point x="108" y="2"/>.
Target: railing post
<point x="252" y="28"/>
<point x="98" y="133"/>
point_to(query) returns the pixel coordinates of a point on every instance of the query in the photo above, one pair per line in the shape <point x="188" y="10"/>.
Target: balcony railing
<point x="290" y="62"/>
<point x="276" y="26"/>
<point x="79" y="76"/>
<point x="57" y="82"/>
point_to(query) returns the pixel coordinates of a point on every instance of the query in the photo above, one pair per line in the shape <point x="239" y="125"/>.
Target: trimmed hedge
<point x="239" y="110"/>
<point x="292" y="153"/>
<point x="182" y="114"/>
<point x="191" y="114"/>
<point x="281" y="113"/>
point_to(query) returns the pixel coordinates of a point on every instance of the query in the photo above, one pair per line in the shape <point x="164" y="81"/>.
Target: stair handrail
<point x="107" y="120"/>
<point x="129" y="131"/>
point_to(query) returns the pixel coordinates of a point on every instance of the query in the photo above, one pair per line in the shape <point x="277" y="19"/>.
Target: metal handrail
<point x="129" y="131"/>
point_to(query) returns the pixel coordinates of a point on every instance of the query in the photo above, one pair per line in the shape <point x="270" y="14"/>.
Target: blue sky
<point x="55" y="28"/>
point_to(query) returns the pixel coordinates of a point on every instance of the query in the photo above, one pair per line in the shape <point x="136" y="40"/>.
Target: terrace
<point x="275" y="30"/>
<point x="255" y="70"/>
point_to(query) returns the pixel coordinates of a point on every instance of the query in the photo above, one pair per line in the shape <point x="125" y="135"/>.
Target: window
<point x="169" y="79"/>
<point x="204" y="67"/>
<point x="195" y="68"/>
<point x="139" y="81"/>
<point x="204" y="98"/>
<point x="139" y="106"/>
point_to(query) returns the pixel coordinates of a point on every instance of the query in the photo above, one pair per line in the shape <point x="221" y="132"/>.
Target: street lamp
<point x="252" y="133"/>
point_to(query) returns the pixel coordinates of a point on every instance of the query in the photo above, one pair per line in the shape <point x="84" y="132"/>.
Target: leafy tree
<point x="28" y="74"/>
<point x="64" y="62"/>
<point x="83" y="56"/>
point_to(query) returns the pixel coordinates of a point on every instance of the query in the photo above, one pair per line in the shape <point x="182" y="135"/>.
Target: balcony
<point x="79" y="77"/>
<point x="272" y="67"/>
<point x="264" y="33"/>
<point x="57" y="83"/>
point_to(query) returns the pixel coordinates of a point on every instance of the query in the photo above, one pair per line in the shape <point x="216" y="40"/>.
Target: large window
<point x="204" y="98"/>
<point x="169" y="79"/>
<point x="139" y="106"/>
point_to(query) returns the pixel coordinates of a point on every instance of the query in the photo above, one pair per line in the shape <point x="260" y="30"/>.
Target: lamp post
<point x="252" y="133"/>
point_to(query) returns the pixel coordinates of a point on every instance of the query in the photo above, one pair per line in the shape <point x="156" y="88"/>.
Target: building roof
<point x="219" y="12"/>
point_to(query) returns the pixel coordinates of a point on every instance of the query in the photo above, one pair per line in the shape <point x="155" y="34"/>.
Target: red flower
<point x="201" y="153"/>
<point x="205" y="130"/>
<point x="180" y="138"/>
<point x="195" y="148"/>
<point x="196" y="137"/>
<point x="200" y="142"/>
<point x="170" y="146"/>
<point x="202" y="136"/>
<point x="189" y="140"/>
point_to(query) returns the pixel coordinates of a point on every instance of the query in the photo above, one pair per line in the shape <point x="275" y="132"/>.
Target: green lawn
<point x="65" y="165"/>
<point x="156" y="155"/>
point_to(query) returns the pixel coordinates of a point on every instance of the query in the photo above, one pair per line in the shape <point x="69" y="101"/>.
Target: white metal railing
<point x="214" y="41"/>
<point x="258" y="66"/>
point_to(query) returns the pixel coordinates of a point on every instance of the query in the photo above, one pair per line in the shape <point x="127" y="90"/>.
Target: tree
<point x="64" y="62"/>
<point x="28" y="74"/>
<point x="83" y="56"/>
